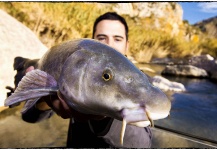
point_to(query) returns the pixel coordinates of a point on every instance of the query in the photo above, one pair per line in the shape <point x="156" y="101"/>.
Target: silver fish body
<point x="94" y="79"/>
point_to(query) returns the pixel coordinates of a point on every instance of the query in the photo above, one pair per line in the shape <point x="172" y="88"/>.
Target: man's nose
<point x="110" y="42"/>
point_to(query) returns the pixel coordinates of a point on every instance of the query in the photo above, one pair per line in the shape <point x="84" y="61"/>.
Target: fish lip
<point x="141" y="123"/>
<point x="141" y="117"/>
<point x="156" y="116"/>
<point x="133" y="115"/>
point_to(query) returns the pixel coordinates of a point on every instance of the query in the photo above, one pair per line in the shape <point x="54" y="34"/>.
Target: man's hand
<point x="58" y="104"/>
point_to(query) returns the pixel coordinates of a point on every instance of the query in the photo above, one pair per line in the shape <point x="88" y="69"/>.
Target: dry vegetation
<point x="56" y="22"/>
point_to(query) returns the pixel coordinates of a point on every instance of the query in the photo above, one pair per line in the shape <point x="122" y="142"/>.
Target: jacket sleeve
<point x="34" y="115"/>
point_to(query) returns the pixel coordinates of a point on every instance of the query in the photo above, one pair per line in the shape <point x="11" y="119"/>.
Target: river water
<point x="194" y="112"/>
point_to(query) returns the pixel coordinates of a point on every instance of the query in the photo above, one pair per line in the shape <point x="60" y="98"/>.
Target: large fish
<point x="94" y="79"/>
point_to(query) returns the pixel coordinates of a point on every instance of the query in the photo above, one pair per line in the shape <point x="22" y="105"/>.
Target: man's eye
<point x="101" y="39"/>
<point x="118" y="40"/>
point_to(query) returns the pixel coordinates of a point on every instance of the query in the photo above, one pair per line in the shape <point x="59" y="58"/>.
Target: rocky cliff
<point x="208" y="26"/>
<point x="160" y="15"/>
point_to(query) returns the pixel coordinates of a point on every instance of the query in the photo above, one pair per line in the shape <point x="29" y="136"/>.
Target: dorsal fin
<point x="33" y="85"/>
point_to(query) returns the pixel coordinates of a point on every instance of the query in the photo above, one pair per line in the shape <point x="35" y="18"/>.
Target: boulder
<point x="165" y="60"/>
<point x="15" y="40"/>
<point x="205" y="65"/>
<point x="185" y="70"/>
<point x="166" y="85"/>
<point x="205" y="62"/>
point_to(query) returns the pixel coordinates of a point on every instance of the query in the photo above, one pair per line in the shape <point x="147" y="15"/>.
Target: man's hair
<point x="111" y="16"/>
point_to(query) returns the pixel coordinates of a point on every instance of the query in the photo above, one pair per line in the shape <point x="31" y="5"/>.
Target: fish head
<point x="97" y="79"/>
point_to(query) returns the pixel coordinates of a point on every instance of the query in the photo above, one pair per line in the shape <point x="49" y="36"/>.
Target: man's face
<point x="112" y="32"/>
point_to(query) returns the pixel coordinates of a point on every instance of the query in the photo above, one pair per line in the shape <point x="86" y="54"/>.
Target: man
<point x="90" y="131"/>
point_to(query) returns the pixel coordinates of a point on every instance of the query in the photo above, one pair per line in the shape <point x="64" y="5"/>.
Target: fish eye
<point x="107" y="75"/>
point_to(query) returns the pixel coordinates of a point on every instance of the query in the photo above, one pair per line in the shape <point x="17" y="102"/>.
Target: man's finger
<point x="29" y="69"/>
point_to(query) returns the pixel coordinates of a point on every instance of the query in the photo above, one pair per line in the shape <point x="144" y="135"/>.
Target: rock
<point x="164" y="13"/>
<point x="205" y="62"/>
<point x="165" y="60"/>
<point x="205" y="65"/>
<point x="15" y="40"/>
<point x="201" y="61"/>
<point x="166" y="85"/>
<point x="208" y="26"/>
<point x="185" y="70"/>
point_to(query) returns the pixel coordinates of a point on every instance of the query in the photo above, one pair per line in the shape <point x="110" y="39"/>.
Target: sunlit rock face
<point x="165" y="15"/>
<point x="15" y="40"/>
<point x="166" y="85"/>
<point x="208" y="26"/>
<point x="185" y="70"/>
<point x="205" y="62"/>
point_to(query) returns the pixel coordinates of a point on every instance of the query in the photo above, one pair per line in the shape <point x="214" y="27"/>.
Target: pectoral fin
<point x="33" y="85"/>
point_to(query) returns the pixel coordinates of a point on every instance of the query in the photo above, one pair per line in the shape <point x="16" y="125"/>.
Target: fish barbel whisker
<point x="124" y="123"/>
<point x="149" y="118"/>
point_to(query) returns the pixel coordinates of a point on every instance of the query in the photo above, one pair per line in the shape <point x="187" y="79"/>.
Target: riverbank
<point x="3" y="108"/>
<point x="17" y="133"/>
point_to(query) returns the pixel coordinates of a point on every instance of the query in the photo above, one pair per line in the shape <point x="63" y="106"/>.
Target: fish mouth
<point x="139" y="117"/>
<point x="151" y="117"/>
